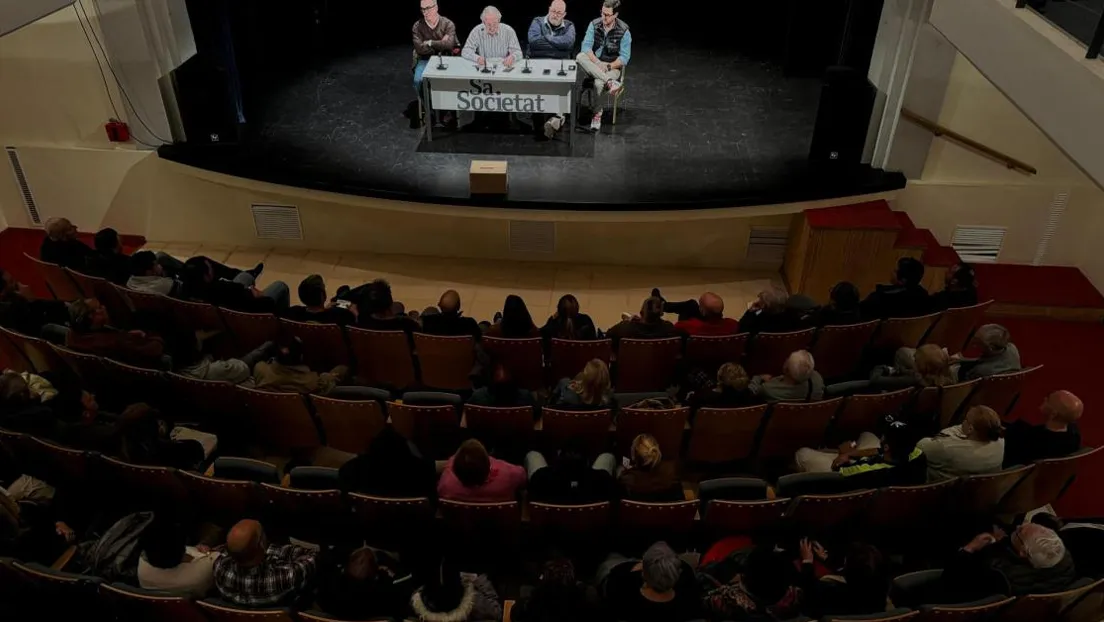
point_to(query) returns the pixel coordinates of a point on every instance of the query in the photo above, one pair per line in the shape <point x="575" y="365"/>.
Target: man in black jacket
<point x="450" y="322"/>
<point x="21" y="313"/>
<point x="61" y="245"/>
<point x="905" y="297"/>
<point x="109" y="261"/>
<point x="551" y="36"/>
<point x="1032" y="560"/>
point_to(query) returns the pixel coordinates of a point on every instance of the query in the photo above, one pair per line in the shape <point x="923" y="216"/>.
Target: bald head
<point x="1062" y="408"/>
<point x="556" y="12"/>
<point x="712" y="306"/>
<point x="449" y="302"/>
<point x="245" y="543"/>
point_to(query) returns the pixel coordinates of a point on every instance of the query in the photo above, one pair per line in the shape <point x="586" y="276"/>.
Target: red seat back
<point x="523" y="358"/>
<point x="793" y="425"/>
<point x="721" y="435"/>
<point x="839" y="349"/>
<point x="708" y="353"/>
<point x="324" y="345"/>
<point x="570" y="357"/>
<point x="446" y="362"/>
<point x="956" y="326"/>
<point x="383" y="358"/>
<point x="770" y="350"/>
<point x="646" y="364"/>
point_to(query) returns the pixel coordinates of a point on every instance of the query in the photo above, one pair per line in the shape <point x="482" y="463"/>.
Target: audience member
<point x="648" y="477"/>
<point x="371" y="584"/>
<point x="570" y="479"/>
<point x="998" y="354"/>
<point x="145" y="439"/>
<point x="502" y="390"/>
<point x="959" y="289"/>
<point x="257" y="574"/>
<point x="568" y="323"/>
<point x="648" y="325"/>
<point x="23" y="314"/>
<point x="90" y="331"/>
<point x="195" y="363"/>
<point x="1083" y="539"/>
<point x="108" y="261"/>
<point x="799" y="381"/>
<point x="705" y="316"/>
<point x="1033" y="560"/>
<point x="473" y="475"/>
<point x="287" y="373"/>
<point x="315" y="308"/>
<point x="769" y="314"/>
<point x="391" y="467"/>
<point x="974" y="447"/>
<point x="863" y="589"/>
<point x="905" y="297"/>
<point x="590" y="389"/>
<point x="730" y="390"/>
<point x="30" y="404"/>
<point x="35" y="517"/>
<point x="379" y="312"/>
<point x="167" y="563"/>
<point x="660" y="587"/>
<point x="558" y="597"/>
<point x="892" y="460"/>
<point x="926" y="366"/>
<point x="450" y="322"/>
<point x="451" y="596"/>
<point x="148" y="275"/>
<point x="516" y="323"/>
<point x="1056" y="437"/>
<point x="61" y="245"/>
<point x="204" y="283"/>
<point x="842" y="308"/>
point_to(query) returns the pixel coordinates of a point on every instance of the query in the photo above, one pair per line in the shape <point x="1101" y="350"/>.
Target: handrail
<point x="985" y="150"/>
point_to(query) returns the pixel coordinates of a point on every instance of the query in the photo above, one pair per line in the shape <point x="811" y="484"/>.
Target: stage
<point x="697" y="126"/>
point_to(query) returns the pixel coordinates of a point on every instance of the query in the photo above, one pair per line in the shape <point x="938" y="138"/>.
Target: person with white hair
<point x="799" y="381"/>
<point x="62" y="247"/>
<point x="1031" y="560"/>
<point x="658" y="587"/>
<point x="769" y="313"/>
<point x="998" y="354"/>
<point x="490" y="44"/>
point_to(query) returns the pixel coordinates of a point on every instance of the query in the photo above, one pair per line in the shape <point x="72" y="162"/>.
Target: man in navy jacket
<point x="551" y="36"/>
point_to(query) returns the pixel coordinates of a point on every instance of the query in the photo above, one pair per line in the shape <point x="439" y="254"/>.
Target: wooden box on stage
<point x="488" y="177"/>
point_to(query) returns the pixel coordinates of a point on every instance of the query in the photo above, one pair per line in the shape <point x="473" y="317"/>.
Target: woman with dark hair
<point x="449" y="596"/>
<point x="516" y="323"/>
<point x="558" y="596"/>
<point x="649" y="324"/>
<point x="167" y="563"/>
<point x="145" y="439"/>
<point x="842" y="308"/>
<point x="959" y="289"/>
<point x="568" y="323"/>
<point x="369" y="584"/>
<point x="863" y="589"/>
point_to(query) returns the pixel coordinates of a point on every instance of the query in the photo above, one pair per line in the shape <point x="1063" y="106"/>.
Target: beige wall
<point x="961" y="187"/>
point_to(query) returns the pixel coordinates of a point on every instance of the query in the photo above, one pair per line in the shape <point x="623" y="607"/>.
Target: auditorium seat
<point x="863" y="413"/>
<point x="61" y="595"/>
<point x="472" y="527"/>
<point x="88" y="285"/>
<point x="1035" y="607"/>
<point x="522" y="358"/>
<point x="61" y="286"/>
<point x="570" y="357"/>
<point x="665" y="425"/>
<point x="281" y="421"/>
<point x="977" y="611"/>
<point x="220" y="501"/>
<point x="894" y="615"/>
<point x="250" y="330"/>
<point x="770" y="350"/>
<point x="88" y="367"/>
<point x="324" y="345"/>
<point x="707" y="353"/>
<point x="435" y="430"/>
<point x="732" y="489"/>
<point x="902" y="509"/>
<point x="561" y="524"/>
<point x="130" y="384"/>
<point x="646" y="364"/>
<point x="114" y="298"/>
<point x="725" y="518"/>
<point x="978" y="495"/>
<point x="1087" y="607"/>
<point x="213" y="403"/>
<point x="232" y="467"/>
<point x="940" y="406"/>
<point x="796" y="484"/>
<point x="349" y="426"/>
<point x="1046" y="483"/>
<point x="195" y="316"/>
<point x="838" y="350"/>
<point x="315" y="516"/>
<point x="591" y="428"/>
<point x="446" y="362"/>
<point x="382" y="520"/>
<point x="50" y="462"/>
<point x="11" y="355"/>
<point x="1002" y="391"/>
<point x="314" y="478"/>
<point x="724" y="435"/>
<point x="153" y="305"/>
<point x="129" y="603"/>
<point x="793" y="425"/>
<point x="955" y="327"/>
<point x="138" y="487"/>
<point x="38" y="352"/>
<point x="897" y="333"/>
<point x="640" y="518"/>
<point x="219" y="611"/>
<point x="824" y="514"/>
<point x="383" y="358"/>
<point x="503" y="430"/>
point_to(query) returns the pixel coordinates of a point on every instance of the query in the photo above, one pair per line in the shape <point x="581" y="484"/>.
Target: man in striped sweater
<point x="491" y="43"/>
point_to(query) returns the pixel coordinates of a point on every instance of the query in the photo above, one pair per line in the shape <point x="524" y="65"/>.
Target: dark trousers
<point x="687" y="310"/>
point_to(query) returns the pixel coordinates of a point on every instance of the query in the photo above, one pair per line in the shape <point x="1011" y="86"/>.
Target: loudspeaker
<point x="207" y="86"/>
<point x="843" y="117"/>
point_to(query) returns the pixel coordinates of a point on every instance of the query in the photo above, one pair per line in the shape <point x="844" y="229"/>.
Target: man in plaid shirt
<point x="256" y="574"/>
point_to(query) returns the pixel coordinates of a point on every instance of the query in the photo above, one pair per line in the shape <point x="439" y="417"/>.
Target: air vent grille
<point x="767" y="244"/>
<point x="528" y="236"/>
<point x="978" y="244"/>
<point x="277" y="222"/>
<point x="24" y="187"/>
<point x="1057" y="208"/>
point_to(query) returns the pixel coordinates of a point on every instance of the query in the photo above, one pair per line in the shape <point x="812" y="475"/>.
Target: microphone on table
<point x="561" y="72"/>
<point x="526" y="69"/>
<point x="441" y="66"/>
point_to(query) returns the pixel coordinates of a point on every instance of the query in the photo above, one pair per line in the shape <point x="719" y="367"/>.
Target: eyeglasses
<point x="604" y="14"/>
<point x="427" y="9"/>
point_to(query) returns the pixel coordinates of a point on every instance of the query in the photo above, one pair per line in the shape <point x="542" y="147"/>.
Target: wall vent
<point x="1057" y="208"/>
<point x="527" y="236"/>
<point x="24" y="188"/>
<point x="767" y="244"/>
<point x="978" y="244"/>
<point x="277" y="222"/>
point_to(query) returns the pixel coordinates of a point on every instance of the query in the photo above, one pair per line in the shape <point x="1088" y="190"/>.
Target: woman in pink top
<point x="472" y="475"/>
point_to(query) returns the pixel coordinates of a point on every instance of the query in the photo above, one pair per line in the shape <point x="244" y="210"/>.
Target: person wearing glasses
<point x="491" y="43"/>
<point x="434" y="35"/>
<point x="607" y="47"/>
<point x="551" y="36"/>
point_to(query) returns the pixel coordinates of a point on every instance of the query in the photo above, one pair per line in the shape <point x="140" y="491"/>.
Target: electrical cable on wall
<point x="114" y="75"/>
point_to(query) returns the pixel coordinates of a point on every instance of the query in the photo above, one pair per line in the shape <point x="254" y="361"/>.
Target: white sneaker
<point x="614" y="86"/>
<point x="596" y="122"/>
<point x="552" y="126"/>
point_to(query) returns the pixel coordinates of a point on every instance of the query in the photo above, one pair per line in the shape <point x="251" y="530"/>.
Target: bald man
<point x="62" y="247"/>
<point x="450" y="322"/>
<point x="1057" y="436"/>
<point x="710" y="319"/>
<point x="551" y="36"/>
<point x="257" y="574"/>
